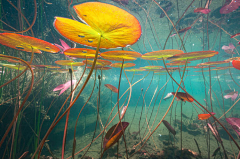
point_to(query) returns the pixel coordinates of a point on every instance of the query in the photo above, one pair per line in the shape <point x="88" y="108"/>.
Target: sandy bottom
<point x="161" y="144"/>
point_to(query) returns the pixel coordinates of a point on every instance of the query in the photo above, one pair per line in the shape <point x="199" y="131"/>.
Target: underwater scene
<point x="109" y="79"/>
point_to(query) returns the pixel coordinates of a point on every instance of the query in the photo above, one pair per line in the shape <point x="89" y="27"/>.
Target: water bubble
<point x="19" y="47"/>
<point x="90" y="40"/>
<point x="81" y="35"/>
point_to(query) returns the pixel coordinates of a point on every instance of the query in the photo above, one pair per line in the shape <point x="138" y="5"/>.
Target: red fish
<point x="205" y="116"/>
<point x="183" y="96"/>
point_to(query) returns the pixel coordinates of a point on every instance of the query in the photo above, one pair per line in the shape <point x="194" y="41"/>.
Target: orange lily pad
<point x="16" y="67"/>
<point x="80" y="53"/>
<point x="111" y="87"/>
<point x="149" y="68"/>
<point x="98" y="63"/>
<point x="68" y="63"/>
<point x="212" y="63"/>
<point x="158" y="55"/>
<point x="120" y="55"/>
<point x="99" y="68"/>
<point x="135" y="70"/>
<point x="115" y="26"/>
<point x="119" y="65"/>
<point x="231" y="59"/>
<point x="113" y="135"/>
<point x="222" y="68"/>
<point x="27" y="43"/>
<point x="4" y="58"/>
<point x="62" y="70"/>
<point x="176" y="63"/>
<point x="191" y="56"/>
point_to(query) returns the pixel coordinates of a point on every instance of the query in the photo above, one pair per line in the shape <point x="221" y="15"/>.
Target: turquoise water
<point x="39" y="124"/>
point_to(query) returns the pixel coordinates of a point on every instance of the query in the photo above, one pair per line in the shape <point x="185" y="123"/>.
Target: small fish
<point x="123" y="111"/>
<point x="168" y="96"/>
<point x="205" y="116"/>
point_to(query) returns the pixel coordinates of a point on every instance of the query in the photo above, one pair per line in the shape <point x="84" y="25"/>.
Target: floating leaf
<point x="27" y="43"/>
<point x="80" y="53"/>
<point x="193" y="56"/>
<point x="119" y="65"/>
<point x="98" y="63"/>
<point x="158" y="55"/>
<point x="115" y="26"/>
<point x="120" y="55"/>
<point x="212" y="63"/>
<point x="135" y="70"/>
<point x="69" y="63"/>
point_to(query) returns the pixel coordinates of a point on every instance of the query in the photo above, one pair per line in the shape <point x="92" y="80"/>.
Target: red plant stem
<point x="25" y="99"/>
<point x="66" y="123"/>
<point x="202" y="106"/>
<point x="33" y="22"/>
<point x="70" y="106"/>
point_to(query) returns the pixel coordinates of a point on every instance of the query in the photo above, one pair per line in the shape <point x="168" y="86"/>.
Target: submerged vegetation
<point x="119" y="79"/>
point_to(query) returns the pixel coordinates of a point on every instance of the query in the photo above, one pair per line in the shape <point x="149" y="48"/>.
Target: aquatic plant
<point x="173" y="51"/>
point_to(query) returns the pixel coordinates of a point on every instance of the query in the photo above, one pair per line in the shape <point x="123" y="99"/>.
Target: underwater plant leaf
<point x="16" y="67"/>
<point x="120" y="55"/>
<point x="135" y="70"/>
<point x="212" y="63"/>
<point x="80" y="53"/>
<point x="98" y="62"/>
<point x="202" y="10"/>
<point x="27" y="43"/>
<point x="151" y="67"/>
<point x="183" y="96"/>
<point x="229" y="6"/>
<point x="64" y="87"/>
<point x="158" y="55"/>
<point x="117" y="27"/>
<point x="119" y="65"/>
<point x="111" y="87"/>
<point x="233" y="95"/>
<point x="235" y="123"/>
<point x="215" y="133"/>
<point x="69" y="63"/>
<point x="169" y="127"/>
<point x="176" y="63"/>
<point x="99" y="68"/>
<point x="115" y="133"/>
<point x="191" y="56"/>
<point x="236" y="64"/>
